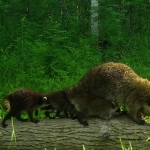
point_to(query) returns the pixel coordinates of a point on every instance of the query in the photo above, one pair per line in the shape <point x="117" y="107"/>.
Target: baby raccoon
<point x="90" y="105"/>
<point x="58" y="101"/>
<point x="20" y="100"/>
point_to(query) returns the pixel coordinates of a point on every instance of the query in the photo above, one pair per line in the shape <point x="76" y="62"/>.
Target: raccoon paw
<point x="140" y="119"/>
<point x="35" y="121"/>
<point x="47" y="114"/>
<point x="36" y="113"/>
<point x="85" y="123"/>
<point x="4" y="125"/>
<point x="74" y="117"/>
<point x="141" y="122"/>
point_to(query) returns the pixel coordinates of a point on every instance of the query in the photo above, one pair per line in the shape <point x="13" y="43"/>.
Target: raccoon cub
<point x="58" y="101"/>
<point x="22" y="100"/>
<point x="87" y="105"/>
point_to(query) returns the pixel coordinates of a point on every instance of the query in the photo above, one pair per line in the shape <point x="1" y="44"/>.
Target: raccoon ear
<point x="44" y="99"/>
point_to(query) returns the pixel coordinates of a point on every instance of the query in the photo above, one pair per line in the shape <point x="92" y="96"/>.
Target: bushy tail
<point x="6" y="105"/>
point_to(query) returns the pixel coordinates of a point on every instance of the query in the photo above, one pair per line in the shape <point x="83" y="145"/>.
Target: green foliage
<point x="13" y="135"/>
<point x="123" y="147"/>
<point x="47" y="45"/>
<point x="34" y="63"/>
<point x="125" y="25"/>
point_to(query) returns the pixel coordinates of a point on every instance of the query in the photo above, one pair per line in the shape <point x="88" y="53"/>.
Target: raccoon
<point x="89" y="105"/>
<point x="118" y="83"/>
<point x="58" y="101"/>
<point x="22" y="100"/>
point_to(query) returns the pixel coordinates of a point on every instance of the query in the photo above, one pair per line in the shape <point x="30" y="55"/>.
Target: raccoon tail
<point x="6" y="105"/>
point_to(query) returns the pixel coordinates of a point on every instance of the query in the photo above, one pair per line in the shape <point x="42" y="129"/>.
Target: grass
<point x="123" y="147"/>
<point x="13" y="135"/>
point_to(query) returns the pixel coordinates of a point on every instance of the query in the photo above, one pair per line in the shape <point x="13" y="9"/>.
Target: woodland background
<point x="47" y="45"/>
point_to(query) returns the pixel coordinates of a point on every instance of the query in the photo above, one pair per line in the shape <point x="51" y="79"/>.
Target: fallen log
<point x="67" y="134"/>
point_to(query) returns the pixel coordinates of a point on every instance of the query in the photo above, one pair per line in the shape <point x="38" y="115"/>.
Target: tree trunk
<point x="94" y="17"/>
<point x="67" y="134"/>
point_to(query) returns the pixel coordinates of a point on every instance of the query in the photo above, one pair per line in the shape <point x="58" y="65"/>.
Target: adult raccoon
<point x="118" y="83"/>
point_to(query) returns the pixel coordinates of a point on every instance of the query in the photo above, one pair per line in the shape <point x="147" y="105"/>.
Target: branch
<point x="67" y="134"/>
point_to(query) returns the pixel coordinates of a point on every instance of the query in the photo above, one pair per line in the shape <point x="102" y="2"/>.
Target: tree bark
<point x="94" y="17"/>
<point x="67" y="134"/>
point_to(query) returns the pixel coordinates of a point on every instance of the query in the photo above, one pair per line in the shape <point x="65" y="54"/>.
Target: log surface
<point x="67" y="134"/>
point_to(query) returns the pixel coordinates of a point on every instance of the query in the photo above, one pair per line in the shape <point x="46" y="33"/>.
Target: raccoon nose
<point x="44" y="99"/>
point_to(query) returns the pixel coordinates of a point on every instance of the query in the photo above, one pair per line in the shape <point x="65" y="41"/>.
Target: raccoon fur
<point x="58" y="101"/>
<point x="22" y="100"/>
<point x="89" y="105"/>
<point x="118" y="83"/>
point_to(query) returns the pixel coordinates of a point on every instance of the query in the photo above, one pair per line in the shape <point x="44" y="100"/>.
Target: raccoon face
<point x="45" y="99"/>
<point x="42" y="101"/>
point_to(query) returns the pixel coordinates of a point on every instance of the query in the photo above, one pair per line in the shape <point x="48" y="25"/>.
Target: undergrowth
<point x="48" y="48"/>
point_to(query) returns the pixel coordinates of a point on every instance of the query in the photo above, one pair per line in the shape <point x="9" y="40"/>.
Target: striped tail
<point x="6" y="105"/>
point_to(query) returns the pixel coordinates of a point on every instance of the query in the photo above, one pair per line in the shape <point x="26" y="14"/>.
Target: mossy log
<point x="67" y="134"/>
